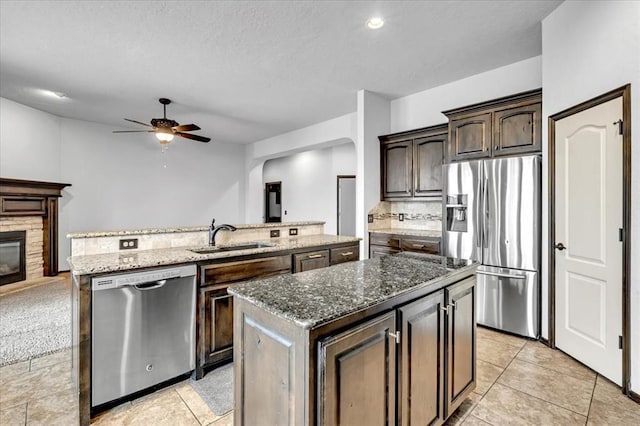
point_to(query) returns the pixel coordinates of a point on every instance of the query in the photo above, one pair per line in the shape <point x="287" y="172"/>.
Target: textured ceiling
<point x="247" y="70"/>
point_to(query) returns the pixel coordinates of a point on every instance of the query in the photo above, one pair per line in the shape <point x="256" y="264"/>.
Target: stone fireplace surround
<point x="32" y="206"/>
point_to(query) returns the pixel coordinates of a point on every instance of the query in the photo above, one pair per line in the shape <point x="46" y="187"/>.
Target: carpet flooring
<point x="216" y="388"/>
<point x="35" y="321"/>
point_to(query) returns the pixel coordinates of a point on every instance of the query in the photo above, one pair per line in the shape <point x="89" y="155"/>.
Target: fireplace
<point x="12" y="257"/>
<point x="30" y="206"/>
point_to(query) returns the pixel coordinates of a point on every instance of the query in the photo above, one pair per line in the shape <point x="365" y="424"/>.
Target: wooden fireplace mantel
<point x="32" y="198"/>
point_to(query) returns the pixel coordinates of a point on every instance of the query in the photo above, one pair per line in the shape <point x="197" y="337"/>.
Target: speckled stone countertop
<point x="135" y="259"/>
<point x="408" y="232"/>
<point x="313" y="298"/>
<point x="148" y="231"/>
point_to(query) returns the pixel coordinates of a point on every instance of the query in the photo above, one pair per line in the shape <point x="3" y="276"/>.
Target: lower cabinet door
<point x="461" y="338"/>
<point x="357" y="375"/>
<point x="218" y="324"/>
<point x="421" y="361"/>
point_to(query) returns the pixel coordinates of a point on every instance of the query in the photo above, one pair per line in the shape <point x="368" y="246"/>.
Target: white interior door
<point x="588" y="216"/>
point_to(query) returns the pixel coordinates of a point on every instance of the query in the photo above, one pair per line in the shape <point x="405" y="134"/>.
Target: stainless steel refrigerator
<point x="492" y="215"/>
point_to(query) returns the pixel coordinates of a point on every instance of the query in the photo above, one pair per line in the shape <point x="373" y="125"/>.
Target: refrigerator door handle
<point x="497" y="274"/>
<point x="478" y="218"/>
<point x="485" y="201"/>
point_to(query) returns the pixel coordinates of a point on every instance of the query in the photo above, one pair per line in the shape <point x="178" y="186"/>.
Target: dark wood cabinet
<point x="411" y="163"/>
<point x="358" y="372"/>
<point x="381" y="244"/>
<point x="428" y="154"/>
<point x="311" y="260"/>
<point x="505" y="126"/>
<point x="470" y="137"/>
<point x="433" y="340"/>
<point x="421" y="357"/>
<point x="461" y="343"/>
<point x="397" y="169"/>
<point x="517" y="130"/>
<point x="216" y="305"/>
<point x="344" y="254"/>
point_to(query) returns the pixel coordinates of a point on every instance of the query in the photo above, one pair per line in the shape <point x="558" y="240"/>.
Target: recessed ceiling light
<point x="375" y="23"/>
<point x="52" y="94"/>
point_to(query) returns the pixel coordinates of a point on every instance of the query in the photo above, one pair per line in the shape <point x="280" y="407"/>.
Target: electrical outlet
<point x="401" y="217"/>
<point x="293" y="231"/>
<point x="370" y="218"/>
<point x="275" y="233"/>
<point x="128" y="243"/>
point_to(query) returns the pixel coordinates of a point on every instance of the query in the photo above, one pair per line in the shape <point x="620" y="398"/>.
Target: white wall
<point x="120" y="181"/>
<point x="589" y="48"/>
<point x="29" y="143"/>
<point x="337" y="131"/>
<point x="309" y="182"/>
<point x="373" y="121"/>
<point x="425" y="108"/>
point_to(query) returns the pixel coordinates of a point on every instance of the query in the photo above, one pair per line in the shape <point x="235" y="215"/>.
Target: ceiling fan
<point x="165" y="128"/>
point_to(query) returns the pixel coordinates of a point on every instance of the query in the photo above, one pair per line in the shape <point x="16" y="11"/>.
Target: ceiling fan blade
<point x="138" y="122"/>
<point x="133" y="131"/>
<point x="186" y="128"/>
<point x="194" y="137"/>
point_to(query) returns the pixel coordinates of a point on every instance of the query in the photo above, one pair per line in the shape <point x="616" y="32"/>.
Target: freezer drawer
<point x="508" y="300"/>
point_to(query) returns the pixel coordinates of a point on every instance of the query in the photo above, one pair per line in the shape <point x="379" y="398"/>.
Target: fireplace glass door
<point x="12" y="257"/>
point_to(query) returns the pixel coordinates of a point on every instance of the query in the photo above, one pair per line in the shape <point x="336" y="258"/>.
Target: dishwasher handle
<point x="150" y="285"/>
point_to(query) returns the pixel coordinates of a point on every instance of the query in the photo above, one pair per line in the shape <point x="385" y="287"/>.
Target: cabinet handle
<point x="349" y="253"/>
<point x="314" y="256"/>
<point x="395" y="335"/>
<point x="453" y="305"/>
<point x="420" y="246"/>
<point x="497" y="147"/>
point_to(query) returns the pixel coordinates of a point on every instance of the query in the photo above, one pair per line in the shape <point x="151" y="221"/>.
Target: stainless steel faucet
<point x="213" y="230"/>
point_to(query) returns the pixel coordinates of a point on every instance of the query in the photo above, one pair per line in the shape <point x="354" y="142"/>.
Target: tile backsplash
<point x="426" y="215"/>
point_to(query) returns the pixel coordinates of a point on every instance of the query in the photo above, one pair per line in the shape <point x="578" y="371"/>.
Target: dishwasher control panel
<point x="136" y="278"/>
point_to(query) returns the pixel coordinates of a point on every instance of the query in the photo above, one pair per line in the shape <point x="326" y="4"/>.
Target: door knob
<point x="560" y="246"/>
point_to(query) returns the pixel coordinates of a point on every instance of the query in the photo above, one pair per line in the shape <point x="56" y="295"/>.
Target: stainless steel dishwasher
<point x="143" y="330"/>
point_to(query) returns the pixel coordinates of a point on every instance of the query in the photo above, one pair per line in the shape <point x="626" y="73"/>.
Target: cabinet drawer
<point x="378" y="251"/>
<point x="311" y="260"/>
<point x="344" y="254"/>
<point x="390" y="241"/>
<point x="245" y="270"/>
<point x="421" y="246"/>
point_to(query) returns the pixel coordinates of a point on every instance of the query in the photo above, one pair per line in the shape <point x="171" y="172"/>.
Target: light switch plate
<point x="370" y="218"/>
<point x="401" y="217"/>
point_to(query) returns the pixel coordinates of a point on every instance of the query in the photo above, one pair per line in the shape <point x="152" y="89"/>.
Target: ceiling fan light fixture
<point x="375" y="23"/>
<point x="164" y="137"/>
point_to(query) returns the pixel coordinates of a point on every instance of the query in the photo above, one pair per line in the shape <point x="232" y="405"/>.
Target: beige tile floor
<point x="521" y="382"/>
<point x="518" y="382"/>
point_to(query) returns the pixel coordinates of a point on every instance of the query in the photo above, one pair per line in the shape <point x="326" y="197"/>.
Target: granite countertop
<point x="313" y="298"/>
<point x="135" y="259"/>
<point x="409" y="232"/>
<point x="147" y="231"/>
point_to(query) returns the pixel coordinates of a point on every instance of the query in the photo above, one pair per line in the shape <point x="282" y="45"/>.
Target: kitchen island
<point x="389" y="340"/>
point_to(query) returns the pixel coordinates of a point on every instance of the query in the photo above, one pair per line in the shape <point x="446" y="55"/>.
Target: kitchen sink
<point x="218" y="249"/>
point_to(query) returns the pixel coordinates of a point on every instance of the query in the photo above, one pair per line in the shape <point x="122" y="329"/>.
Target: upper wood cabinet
<point x="470" y="137"/>
<point x="397" y="169"/>
<point x="411" y="163"/>
<point x="504" y="126"/>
